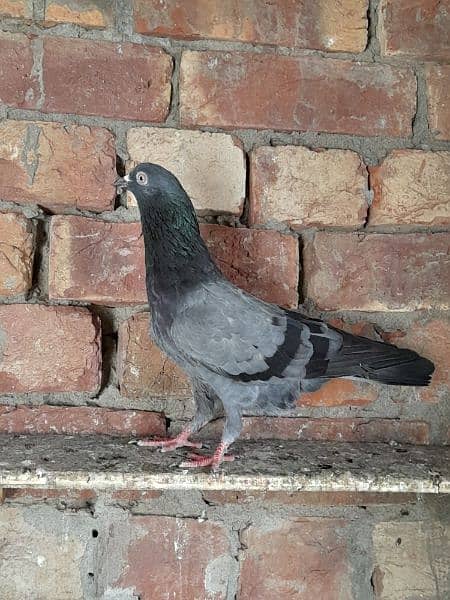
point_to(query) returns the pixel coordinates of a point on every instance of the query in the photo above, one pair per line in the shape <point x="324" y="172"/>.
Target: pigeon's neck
<point x="176" y="257"/>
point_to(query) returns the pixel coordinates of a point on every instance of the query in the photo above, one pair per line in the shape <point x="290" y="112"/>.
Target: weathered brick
<point x="305" y="188"/>
<point x="120" y="80"/>
<point x="264" y="263"/>
<point x="103" y="262"/>
<point x="336" y="429"/>
<point x="93" y="13"/>
<point x="49" y="349"/>
<point x="338" y="27"/>
<point x="19" y="86"/>
<point x="411" y="560"/>
<point x="308" y="498"/>
<point x="411" y="187"/>
<point x="181" y="557"/>
<point x="16" y="254"/>
<point x="56" y="165"/>
<point x="80" y="420"/>
<point x="418" y="29"/>
<point x="42" y="549"/>
<point x="430" y="339"/>
<point x="438" y="88"/>
<point x="378" y="271"/>
<point x="16" y="8"/>
<point x="143" y="369"/>
<point x="305" y="558"/>
<point x="72" y="498"/>
<point x="96" y="261"/>
<point x="268" y="91"/>
<point x="210" y="166"/>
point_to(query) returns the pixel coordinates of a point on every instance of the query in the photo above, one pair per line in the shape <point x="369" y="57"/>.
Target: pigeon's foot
<point x="214" y="461"/>
<point x="168" y="444"/>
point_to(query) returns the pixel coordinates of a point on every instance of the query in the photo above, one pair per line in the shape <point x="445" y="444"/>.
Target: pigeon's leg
<point x="207" y="406"/>
<point x="231" y="430"/>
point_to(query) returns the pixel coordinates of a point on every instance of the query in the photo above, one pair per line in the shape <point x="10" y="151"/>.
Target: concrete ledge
<point x="108" y="463"/>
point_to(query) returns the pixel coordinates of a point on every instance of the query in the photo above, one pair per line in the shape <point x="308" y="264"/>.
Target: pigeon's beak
<point x="121" y="183"/>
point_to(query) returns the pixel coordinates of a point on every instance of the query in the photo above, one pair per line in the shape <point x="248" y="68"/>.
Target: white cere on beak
<point x="127" y="178"/>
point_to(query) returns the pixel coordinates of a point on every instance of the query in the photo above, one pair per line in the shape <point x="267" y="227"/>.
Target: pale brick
<point x="16" y="254"/>
<point x="210" y="166"/>
<point x="411" y="560"/>
<point x="411" y="187"/>
<point x="377" y="271"/>
<point x="333" y="26"/>
<point x="91" y="13"/>
<point x="42" y="549"/>
<point x="49" y="349"/>
<point x="16" y="8"/>
<point x="305" y="188"/>
<point x="56" y="165"/>
<point x="143" y="369"/>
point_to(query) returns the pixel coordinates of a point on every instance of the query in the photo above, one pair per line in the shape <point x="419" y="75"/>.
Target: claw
<point x="214" y="461"/>
<point x="168" y="444"/>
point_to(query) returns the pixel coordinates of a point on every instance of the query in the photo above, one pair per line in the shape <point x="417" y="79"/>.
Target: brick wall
<point x="314" y="140"/>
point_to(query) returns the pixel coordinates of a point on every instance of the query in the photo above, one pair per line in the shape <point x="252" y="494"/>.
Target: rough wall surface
<point x="314" y="138"/>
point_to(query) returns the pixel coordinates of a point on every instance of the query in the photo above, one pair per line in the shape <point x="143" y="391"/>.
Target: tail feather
<point x="378" y="361"/>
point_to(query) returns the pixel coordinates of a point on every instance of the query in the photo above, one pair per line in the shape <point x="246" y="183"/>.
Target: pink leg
<point x="168" y="444"/>
<point x="197" y="460"/>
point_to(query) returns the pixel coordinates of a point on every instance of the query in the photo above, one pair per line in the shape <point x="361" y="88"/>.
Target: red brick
<point x="210" y="166"/>
<point x="96" y="261"/>
<point x="103" y="262"/>
<point x="48" y="349"/>
<point x="81" y="420"/>
<point x="16" y="8"/>
<point x="341" y="392"/>
<point x="378" y="271"/>
<point x="95" y="14"/>
<point x="315" y="24"/>
<point x="302" y="559"/>
<point x="57" y="166"/>
<point x="417" y="28"/>
<point x="335" y="430"/>
<point x="308" y="498"/>
<point x="16" y="254"/>
<point x="438" y="88"/>
<point x="430" y="339"/>
<point x="19" y="87"/>
<point x="70" y="497"/>
<point x="411" y="187"/>
<point x="268" y="91"/>
<point x="176" y="558"/>
<point x="305" y="188"/>
<point x="143" y="369"/>
<point x="264" y="263"/>
<point x="120" y="80"/>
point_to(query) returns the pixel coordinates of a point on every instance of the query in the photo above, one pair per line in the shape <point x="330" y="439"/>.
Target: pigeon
<point x="242" y="355"/>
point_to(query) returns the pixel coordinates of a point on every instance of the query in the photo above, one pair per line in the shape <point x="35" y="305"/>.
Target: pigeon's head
<point x="155" y="188"/>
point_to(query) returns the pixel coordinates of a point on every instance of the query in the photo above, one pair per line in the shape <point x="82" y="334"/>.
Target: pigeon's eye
<point x="141" y="178"/>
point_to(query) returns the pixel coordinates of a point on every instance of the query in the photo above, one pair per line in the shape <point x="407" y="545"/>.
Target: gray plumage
<point x="242" y="354"/>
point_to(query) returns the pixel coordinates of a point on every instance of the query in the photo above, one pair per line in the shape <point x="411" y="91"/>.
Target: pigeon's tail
<point x="361" y="357"/>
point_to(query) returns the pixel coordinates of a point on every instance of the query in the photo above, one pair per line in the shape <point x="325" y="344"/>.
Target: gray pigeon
<point x="243" y="355"/>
